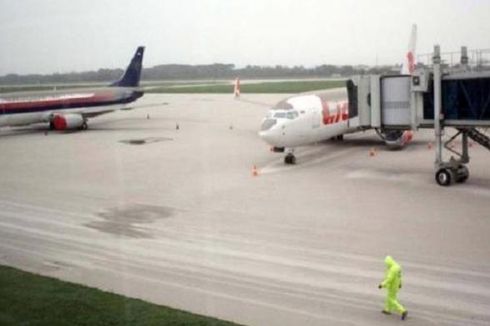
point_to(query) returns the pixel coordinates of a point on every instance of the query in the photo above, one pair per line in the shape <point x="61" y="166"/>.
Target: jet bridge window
<point x="462" y="99"/>
<point x="466" y="99"/>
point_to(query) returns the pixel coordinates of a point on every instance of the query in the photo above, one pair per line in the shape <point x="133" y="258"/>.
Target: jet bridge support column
<point x="454" y="170"/>
<point x="436" y="60"/>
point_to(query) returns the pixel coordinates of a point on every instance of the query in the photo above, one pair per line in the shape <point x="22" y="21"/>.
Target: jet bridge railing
<point x="475" y="59"/>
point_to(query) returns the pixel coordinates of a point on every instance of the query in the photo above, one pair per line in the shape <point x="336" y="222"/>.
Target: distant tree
<point x="212" y="71"/>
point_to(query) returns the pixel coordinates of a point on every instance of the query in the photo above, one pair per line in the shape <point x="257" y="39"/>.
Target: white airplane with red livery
<point x="313" y="117"/>
<point x="70" y="109"/>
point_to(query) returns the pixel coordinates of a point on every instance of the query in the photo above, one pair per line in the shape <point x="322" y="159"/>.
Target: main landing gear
<point x="84" y="125"/>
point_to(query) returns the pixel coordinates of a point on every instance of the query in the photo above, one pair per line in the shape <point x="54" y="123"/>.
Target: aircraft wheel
<point x="444" y="177"/>
<point x="290" y="159"/>
<point x="340" y="137"/>
<point x="84" y="126"/>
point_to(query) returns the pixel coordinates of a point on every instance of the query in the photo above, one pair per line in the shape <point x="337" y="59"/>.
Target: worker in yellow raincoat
<point x="392" y="283"/>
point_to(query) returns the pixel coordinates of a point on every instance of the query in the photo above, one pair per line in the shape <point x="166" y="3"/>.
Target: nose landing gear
<point x="290" y="159"/>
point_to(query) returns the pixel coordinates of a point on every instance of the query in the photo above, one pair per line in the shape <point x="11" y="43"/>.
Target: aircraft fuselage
<point x="307" y="118"/>
<point x="32" y="107"/>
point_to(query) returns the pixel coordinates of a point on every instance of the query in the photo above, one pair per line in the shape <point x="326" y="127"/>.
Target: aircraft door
<point x="351" y="86"/>
<point x="316" y="119"/>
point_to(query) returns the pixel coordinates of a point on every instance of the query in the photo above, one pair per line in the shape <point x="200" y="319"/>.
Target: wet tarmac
<point x="160" y="203"/>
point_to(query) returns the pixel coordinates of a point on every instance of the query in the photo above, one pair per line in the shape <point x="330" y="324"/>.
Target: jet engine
<point x="68" y="121"/>
<point x="395" y="139"/>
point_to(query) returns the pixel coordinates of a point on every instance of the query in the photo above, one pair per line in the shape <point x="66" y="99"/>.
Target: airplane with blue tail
<point x="70" y="109"/>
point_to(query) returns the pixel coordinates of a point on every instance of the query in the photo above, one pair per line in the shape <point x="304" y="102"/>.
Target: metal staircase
<point x="479" y="137"/>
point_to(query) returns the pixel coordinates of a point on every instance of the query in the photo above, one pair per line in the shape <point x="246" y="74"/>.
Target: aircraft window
<point x="292" y="115"/>
<point x="280" y="115"/>
<point x="267" y="124"/>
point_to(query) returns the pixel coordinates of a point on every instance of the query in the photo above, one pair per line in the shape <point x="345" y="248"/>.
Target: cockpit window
<point x="292" y="115"/>
<point x="280" y="115"/>
<point x="283" y="114"/>
<point x="267" y="124"/>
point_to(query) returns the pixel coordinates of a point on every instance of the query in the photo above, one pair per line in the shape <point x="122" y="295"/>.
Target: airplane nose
<point x="271" y="136"/>
<point x="267" y="131"/>
<point x="266" y="136"/>
<point x="268" y="124"/>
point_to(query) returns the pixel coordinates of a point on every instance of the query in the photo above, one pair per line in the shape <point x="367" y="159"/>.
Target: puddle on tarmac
<point x="129" y="221"/>
<point x="143" y="141"/>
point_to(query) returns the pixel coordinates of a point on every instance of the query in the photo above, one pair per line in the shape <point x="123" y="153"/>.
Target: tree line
<point x="190" y="72"/>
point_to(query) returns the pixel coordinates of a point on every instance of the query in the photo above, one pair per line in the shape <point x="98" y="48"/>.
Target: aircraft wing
<point x="90" y="114"/>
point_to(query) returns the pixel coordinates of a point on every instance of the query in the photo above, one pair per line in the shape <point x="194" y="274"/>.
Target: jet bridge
<point x="430" y="98"/>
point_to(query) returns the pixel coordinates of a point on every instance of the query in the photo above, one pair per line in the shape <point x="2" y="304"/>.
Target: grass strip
<point x="29" y="299"/>
<point x="287" y="87"/>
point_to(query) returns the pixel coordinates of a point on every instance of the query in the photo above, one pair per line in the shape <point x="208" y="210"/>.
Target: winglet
<point x="131" y="77"/>
<point x="408" y="66"/>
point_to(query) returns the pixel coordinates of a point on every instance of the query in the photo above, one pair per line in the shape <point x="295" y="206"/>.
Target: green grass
<point x="266" y="87"/>
<point x="197" y="87"/>
<point x="29" y="299"/>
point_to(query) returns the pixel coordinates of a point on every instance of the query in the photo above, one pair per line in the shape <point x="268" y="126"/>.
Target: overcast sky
<point x="51" y="36"/>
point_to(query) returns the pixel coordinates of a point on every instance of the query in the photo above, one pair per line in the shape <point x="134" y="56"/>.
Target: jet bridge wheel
<point x="290" y="159"/>
<point x="444" y="177"/>
<point x="462" y="174"/>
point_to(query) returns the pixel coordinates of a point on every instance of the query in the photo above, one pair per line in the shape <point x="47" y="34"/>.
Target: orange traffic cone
<point x="429" y="145"/>
<point x="254" y="171"/>
<point x="372" y="151"/>
<point x="236" y="90"/>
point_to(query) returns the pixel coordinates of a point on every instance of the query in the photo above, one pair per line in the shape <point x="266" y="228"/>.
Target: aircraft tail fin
<point x="131" y="77"/>
<point x="408" y="65"/>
